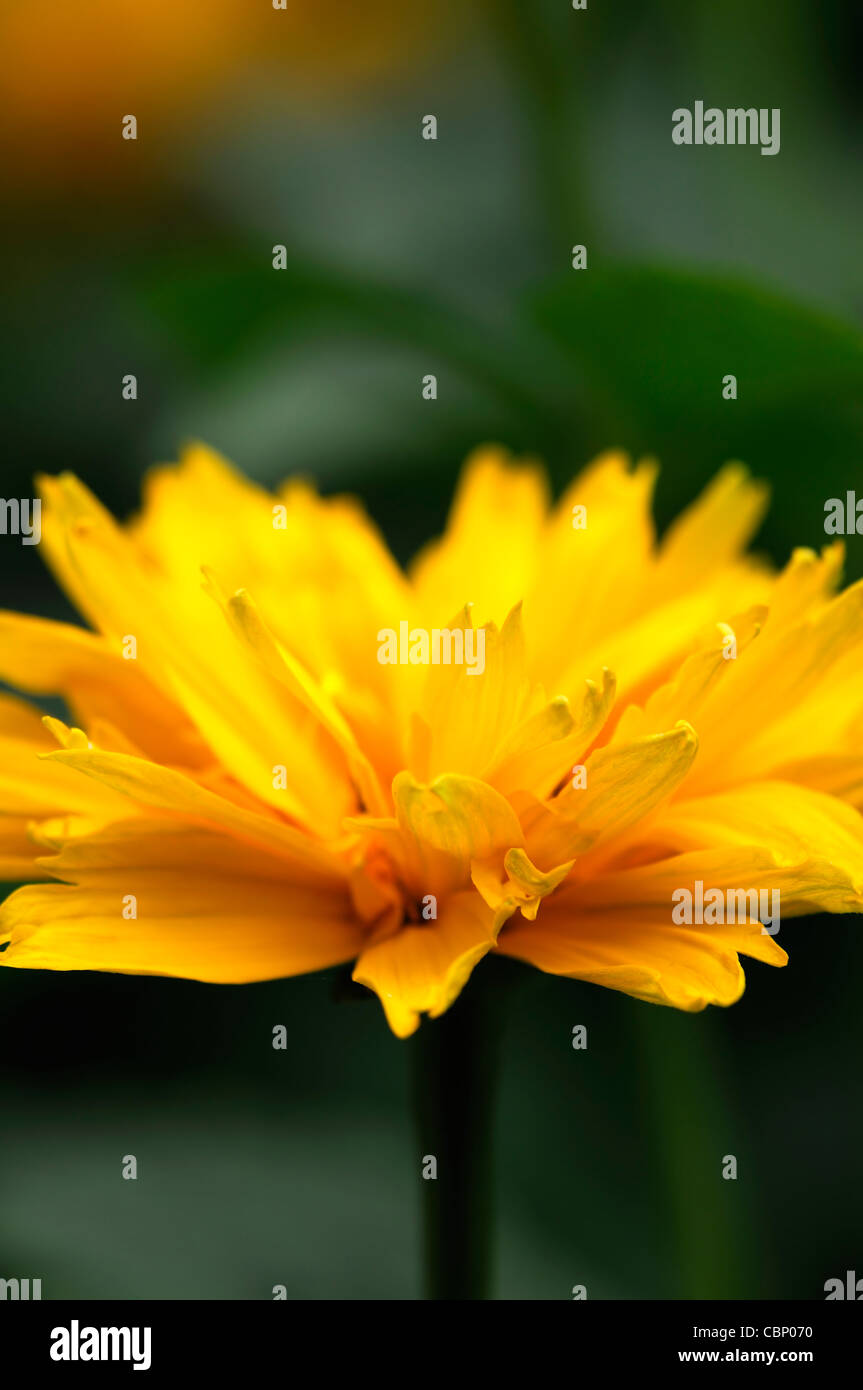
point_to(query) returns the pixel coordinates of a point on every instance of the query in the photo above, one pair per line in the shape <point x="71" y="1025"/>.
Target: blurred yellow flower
<point x="254" y="793"/>
<point x="70" y="73"/>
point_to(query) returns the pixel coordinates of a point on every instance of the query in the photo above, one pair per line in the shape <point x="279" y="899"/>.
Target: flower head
<point x="69" y="73"/>
<point x="285" y="753"/>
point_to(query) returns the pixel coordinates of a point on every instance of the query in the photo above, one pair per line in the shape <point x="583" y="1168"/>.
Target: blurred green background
<point x="406" y="257"/>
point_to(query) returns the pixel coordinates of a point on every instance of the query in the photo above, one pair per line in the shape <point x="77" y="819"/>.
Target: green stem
<point x="548" y="62"/>
<point x="455" y="1063"/>
<point x="684" y="1076"/>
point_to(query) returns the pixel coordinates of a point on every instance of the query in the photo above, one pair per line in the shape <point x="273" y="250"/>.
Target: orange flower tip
<point x="66" y="737"/>
<point x="463" y="617"/>
<point x="243" y="606"/>
<point x="805" y="556"/>
<point x="734" y="471"/>
<point x="607" y="690"/>
<point x="67" y="483"/>
<point x="686" y="734"/>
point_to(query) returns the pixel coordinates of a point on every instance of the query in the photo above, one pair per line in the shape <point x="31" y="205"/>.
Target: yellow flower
<point x="264" y="783"/>
<point x="70" y="73"/>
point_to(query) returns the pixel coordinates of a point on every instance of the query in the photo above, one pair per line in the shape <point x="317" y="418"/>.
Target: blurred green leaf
<point x="219" y="306"/>
<point x="651" y="346"/>
<point x="658" y="342"/>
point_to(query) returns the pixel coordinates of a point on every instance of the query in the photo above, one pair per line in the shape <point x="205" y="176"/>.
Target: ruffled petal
<point x="423" y="969"/>
<point x="205" y="908"/>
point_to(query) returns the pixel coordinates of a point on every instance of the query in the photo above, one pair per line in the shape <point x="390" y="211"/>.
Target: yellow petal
<point x="716" y="528"/>
<point x="806" y="583"/>
<point x="489" y="553"/>
<point x="814" y="842"/>
<point x="584" y="587"/>
<point x="18" y="851"/>
<point x="187" y="649"/>
<point x="50" y="658"/>
<point x="150" y="785"/>
<point x="470" y="712"/>
<point x="543" y="750"/>
<point x="21" y="720"/>
<point x="639" y="629"/>
<point x="423" y="969"/>
<point x="451" y="822"/>
<point x="206" y="908"/>
<point x="638" y="952"/>
<point x="783" y="683"/>
<point x="523" y="887"/>
<point x="251" y="629"/>
<point x="625" y="782"/>
<point x="684" y="696"/>
<point x="30" y="788"/>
